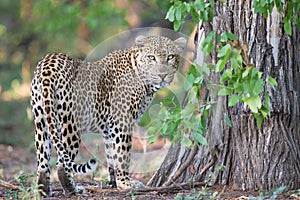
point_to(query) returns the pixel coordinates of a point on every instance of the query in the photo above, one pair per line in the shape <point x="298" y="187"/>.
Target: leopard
<point x="70" y="97"/>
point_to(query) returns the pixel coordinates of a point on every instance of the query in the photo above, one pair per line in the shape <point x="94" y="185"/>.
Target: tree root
<point x="210" y="164"/>
<point x="182" y="167"/>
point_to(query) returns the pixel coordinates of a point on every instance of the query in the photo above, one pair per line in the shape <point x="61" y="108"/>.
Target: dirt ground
<point x="20" y="162"/>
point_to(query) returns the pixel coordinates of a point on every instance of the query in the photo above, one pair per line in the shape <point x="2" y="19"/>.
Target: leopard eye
<point x="170" y="57"/>
<point x="150" y="57"/>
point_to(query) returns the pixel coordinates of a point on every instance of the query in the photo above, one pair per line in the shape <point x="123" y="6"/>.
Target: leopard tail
<point x="48" y="96"/>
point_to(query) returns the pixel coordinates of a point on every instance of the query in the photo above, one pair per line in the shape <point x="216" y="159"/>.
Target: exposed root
<point x="210" y="164"/>
<point x="182" y="167"/>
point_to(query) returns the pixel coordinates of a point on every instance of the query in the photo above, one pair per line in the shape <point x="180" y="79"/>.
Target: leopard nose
<point x="162" y="76"/>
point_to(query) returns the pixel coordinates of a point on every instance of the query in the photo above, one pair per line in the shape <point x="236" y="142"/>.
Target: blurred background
<point x="29" y="29"/>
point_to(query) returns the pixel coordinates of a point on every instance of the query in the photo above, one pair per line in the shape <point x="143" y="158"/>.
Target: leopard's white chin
<point x="160" y="85"/>
<point x="164" y="84"/>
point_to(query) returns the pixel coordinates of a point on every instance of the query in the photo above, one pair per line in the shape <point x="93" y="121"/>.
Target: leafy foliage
<point x="203" y="194"/>
<point x="180" y="122"/>
<point x="240" y="80"/>
<point x="26" y="193"/>
<point x="290" y="9"/>
<point x="272" y="195"/>
<point x="65" y="18"/>
<point x="201" y="10"/>
<point x="179" y="10"/>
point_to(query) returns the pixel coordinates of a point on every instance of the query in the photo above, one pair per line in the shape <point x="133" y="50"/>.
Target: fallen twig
<point x="9" y="185"/>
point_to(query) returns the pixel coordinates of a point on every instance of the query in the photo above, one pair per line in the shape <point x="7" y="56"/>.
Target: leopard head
<point x="157" y="59"/>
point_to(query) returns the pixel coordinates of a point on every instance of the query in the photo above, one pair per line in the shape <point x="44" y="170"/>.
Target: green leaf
<point x="246" y="72"/>
<point x="170" y="14"/>
<point x="288" y="27"/>
<point x="227" y="35"/>
<point x="188" y="109"/>
<point x="259" y="119"/>
<point x="187" y="142"/>
<point x="190" y="124"/>
<point x="200" y="139"/>
<point x="187" y="7"/>
<point x="195" y="15"/>
<point x="177" y="25"/>
<point x="231" y="36"/>
<point x="207" y="43"/>
<point x="189" y="81"/>
<point x="268" y="103"/>
<point x="272" y="81"/>
<point x="234" y="99"/>
<point x="225" y="53"/>
<point x="263" y="3"/>
<point x="204" y="15"/>
<point x="152" y="139"/>
<point x="205" y="69"/>
<point x="224" y="50"/>
<point x="254" y="103"/>
<point x="151" y="130"/>
<point x="234" y="63"/>
<point x="259" y="85"/>
<point x="200" y="5"/>
<point x="226" y="75"/>
<point x="221" y="63"/>
<point x="178" y="13"/>
<point x="227" y="120"/>
<point x="254" y="72"/>
<point x="279" y="6"/>
<point x="224" y="91"/>
<point x="264" y="111"/>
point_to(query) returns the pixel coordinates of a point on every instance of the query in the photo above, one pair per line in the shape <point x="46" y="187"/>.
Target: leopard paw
<point x="74" y="190"/>
<point x="131" y="183"/>
<point x="80" y="189"/>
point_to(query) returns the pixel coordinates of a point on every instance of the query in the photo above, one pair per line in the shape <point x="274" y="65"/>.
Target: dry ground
<point x="15" y="161"/>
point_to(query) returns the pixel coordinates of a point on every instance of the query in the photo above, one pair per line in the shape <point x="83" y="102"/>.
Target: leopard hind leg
<point x="71" y="140"/>
<point x="43" y="151"/>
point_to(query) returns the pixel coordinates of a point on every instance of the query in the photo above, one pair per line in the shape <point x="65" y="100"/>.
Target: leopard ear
<point x="141" y="40"/>
<point x="180" y="43"/>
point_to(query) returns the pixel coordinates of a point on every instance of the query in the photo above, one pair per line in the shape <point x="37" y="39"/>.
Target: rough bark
<point x="265" y="157"/>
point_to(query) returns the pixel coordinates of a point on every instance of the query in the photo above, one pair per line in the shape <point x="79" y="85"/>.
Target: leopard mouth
<point x="161" y="84"/>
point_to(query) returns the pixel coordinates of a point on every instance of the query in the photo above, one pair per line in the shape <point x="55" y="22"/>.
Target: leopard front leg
<point x="110" y="163"/>
<point x="117" y="146"/>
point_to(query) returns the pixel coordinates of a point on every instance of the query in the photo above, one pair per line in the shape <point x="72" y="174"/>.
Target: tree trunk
<point x="254" y="158"/>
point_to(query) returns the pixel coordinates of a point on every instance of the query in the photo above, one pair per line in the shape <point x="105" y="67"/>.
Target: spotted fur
<point x="70" y="97"/>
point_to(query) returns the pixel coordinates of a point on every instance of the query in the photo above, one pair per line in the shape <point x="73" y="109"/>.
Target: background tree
<point x="29" y="29"/>
<point x="256" y="153"/>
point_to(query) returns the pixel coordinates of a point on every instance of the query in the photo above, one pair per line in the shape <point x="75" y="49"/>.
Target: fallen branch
<point x="163" y="189"/>
<point x="9" y="185"/>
